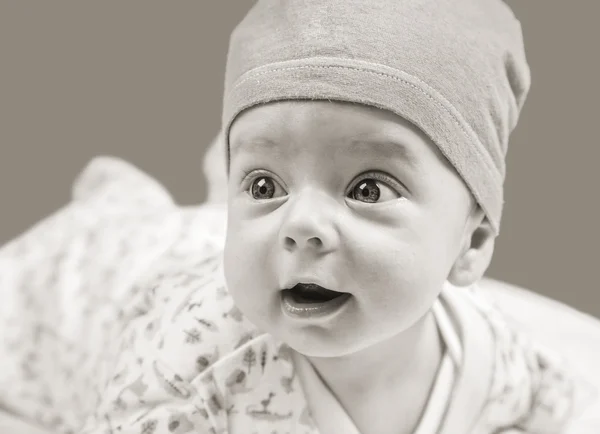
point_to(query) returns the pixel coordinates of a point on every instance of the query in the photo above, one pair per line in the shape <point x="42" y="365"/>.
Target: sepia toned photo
<point x="299" y="216"/>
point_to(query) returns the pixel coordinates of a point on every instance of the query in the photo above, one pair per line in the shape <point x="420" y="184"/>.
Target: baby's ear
<point x="476" y="253"/>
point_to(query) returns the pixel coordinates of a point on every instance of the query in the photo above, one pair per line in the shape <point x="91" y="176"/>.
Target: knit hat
<point x="454" y="68"/>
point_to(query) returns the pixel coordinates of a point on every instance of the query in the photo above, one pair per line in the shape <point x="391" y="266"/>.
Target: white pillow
<point x="62" y="285"/>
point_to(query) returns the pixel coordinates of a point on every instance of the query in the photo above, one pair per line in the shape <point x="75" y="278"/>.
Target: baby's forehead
<point x="347" y="146"/>
<point x="298" y="127"/>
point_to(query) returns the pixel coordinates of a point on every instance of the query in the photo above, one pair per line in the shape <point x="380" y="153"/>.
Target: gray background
<point x="142" y="80"/>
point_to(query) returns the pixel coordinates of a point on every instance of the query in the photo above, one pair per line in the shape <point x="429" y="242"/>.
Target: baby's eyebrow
<point x="253" y="145"/>
<point x="389" y="148"/>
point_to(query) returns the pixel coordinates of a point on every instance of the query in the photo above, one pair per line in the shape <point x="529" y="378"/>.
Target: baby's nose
<point x="309" y="224"/>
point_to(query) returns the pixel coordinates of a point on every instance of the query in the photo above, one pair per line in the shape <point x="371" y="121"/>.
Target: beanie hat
<point x="454" y="68"/>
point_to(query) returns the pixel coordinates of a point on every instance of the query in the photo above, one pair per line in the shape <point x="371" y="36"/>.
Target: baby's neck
<point x="378" y="379"/>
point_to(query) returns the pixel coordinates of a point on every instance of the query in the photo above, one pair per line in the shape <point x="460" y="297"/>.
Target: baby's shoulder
<point x="190" y="351"/>
<point x="193" y="319"/>
<point x="186" y="341"/>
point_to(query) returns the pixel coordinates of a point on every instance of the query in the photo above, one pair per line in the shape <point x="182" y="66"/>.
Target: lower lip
<point x="312" y="310"/>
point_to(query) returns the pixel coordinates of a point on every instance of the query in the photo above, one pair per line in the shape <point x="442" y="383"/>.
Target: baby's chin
<point x="326" y="348"/>
<point x="309" y="340"/>
<point x="317" y="342"/>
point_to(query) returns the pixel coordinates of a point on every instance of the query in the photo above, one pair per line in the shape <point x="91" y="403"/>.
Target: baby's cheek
<point x="242" y="280"/>
<point x="403" y="276"/>
<point x="245" y="259"/>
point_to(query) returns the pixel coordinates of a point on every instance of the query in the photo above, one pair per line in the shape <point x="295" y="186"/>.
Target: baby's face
<point x="348" y="197"/>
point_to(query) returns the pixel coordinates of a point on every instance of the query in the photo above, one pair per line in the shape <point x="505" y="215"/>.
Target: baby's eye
<point x="371" y="190"/>
<point x="265" y="187"/>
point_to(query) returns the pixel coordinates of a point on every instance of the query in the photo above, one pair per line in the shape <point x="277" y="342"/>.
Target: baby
<point x="366" y="147"/>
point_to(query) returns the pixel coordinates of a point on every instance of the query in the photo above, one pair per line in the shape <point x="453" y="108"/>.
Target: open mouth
<point x="308" y="301"/>
<point x="311" y="293"/>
